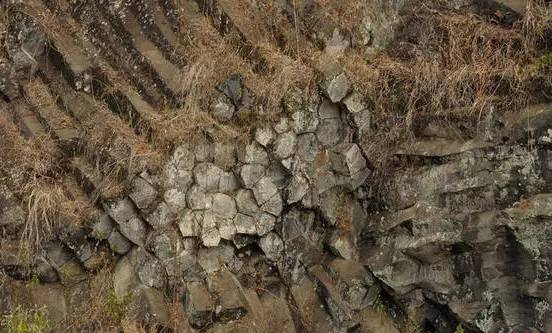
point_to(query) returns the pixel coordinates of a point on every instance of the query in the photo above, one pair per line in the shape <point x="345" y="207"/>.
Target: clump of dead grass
<point x="44" y="202"/>
<point x="443" y="61"/>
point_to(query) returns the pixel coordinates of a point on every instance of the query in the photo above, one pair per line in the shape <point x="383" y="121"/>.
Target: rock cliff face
<point x="210" y="207"/>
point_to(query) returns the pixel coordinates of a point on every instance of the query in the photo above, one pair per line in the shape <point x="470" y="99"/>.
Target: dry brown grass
<point x="443" y="62"/>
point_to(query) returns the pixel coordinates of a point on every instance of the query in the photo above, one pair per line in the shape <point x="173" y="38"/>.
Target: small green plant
<point x="35" y="280"/>
<point x="117" y="307"/>
<point x="25" y="321"/>
<point x="459" y="329"/>
<point x="379" y="306"/>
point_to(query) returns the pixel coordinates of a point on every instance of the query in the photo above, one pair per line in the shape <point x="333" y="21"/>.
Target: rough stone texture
<point x="224" y="206"/>
<point x="285" y="145"/>
<point x="264" y="190"/>
<point x="118" y="243"/>
<point x="294" y="230"/>
<point x="264" y="136"/>
<point x="251" y="173"/>
<point x="336" y="86"/>
<point x="135" y="230"/>
<point x="222" y="109"/>
<point x="144" y="195"/>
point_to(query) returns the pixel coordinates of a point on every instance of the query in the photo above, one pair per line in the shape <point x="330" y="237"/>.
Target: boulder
<point x="264" y="136"/>
<point x="285" y="145"/>
<point x="118" y="243"/>
<point x="143" y="194"/>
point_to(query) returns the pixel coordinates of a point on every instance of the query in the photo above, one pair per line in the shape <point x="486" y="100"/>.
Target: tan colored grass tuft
<point x="44" y="206"/>
<point x="445" y="65"/>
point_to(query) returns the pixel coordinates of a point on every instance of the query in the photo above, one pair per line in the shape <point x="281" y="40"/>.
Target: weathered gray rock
<point x="212" y="259"/>
<point x="245" y="224"/>
<point x="274" y="205"/>
<point x="204" y="152"/>
<point x="246" y="203"/>
<point x="210" y="235"/>
<point x="177" y="172"/>
<point x="224" y="206"/>
<point x="264" y="136"/>
<point x="341" y="245"/>
<point x="135" y="230"/>
<point x="297" y="189"/>
<point x="125" y="278"/>
<point x="161" y="246"/>
<point x="118" y="243"/>
<point x="200" y="306"/>
<point x="232" y="87"/>
<point x="197" y="198"/>
<point x="121" y="210"/>
<point x="225" y="155"/>
<point x="253" y="153"/>
<point x="336" y="86"/>
<point x="102" y="227"/>
<point x="355" y="103"/>
<point x="161" y="216"/>
<point x="283" y="125"/>
<point x="183" y="158"/>
<point x="226" y="228"/>
<point x="222" y="109"/>
<point x="228" y="182"/>
<point x="251" y="173"/>
<point x="189" y="223"/>
<point x="264" y="190"/>
<point x="207" y="176"/>
<point x="308" y="147"/>
<point x="229" y="293"/>
<point x="285" y="145"/>
<point x="175" y="199"/>
<point x="328" y="110"/>
<point x="347" y="159"/>
<point x="265" y="223"/>
<point x="149" y="269"/>
<point x="143" y="194"/>
<point x="305" y="120"/>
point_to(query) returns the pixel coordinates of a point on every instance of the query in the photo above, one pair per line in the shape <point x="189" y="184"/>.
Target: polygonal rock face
<point x="265" y="224"/>
<point x="336" y="87"/>
<point x="183" y="158"/>
<point x="143" y="194"/>
<point x="274" y="205"/>
<point x="305" y="120"/>
<point x="253" y="154"/>
<point x="264" y="136"/>
<point x="207" y="176"/>
<point x="272" y="245"/>
<point x="189" y="223"/>
<point x="210" y="235"/>
<point x="225" y="155"/>
<point x="355" y="103"/>
<point x="264" y="190"/>
<point x="228" y="182"/>
<point x="223" y="110"/>
<point x="285" y="144"/>
<point x="297" y="189"/>
<point x="118" y="243"/>
<point x="197" y="198"/>
<point x="121" y="211"/>
<point x="251" y="173"/>
<point x="245" y="224"/>
<point x="135" y="230"/>
<point x="175" y="199"/>
<point x="161" y="216"/>
<point x="224" y="206"/>
<point x="246" y="202"/>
